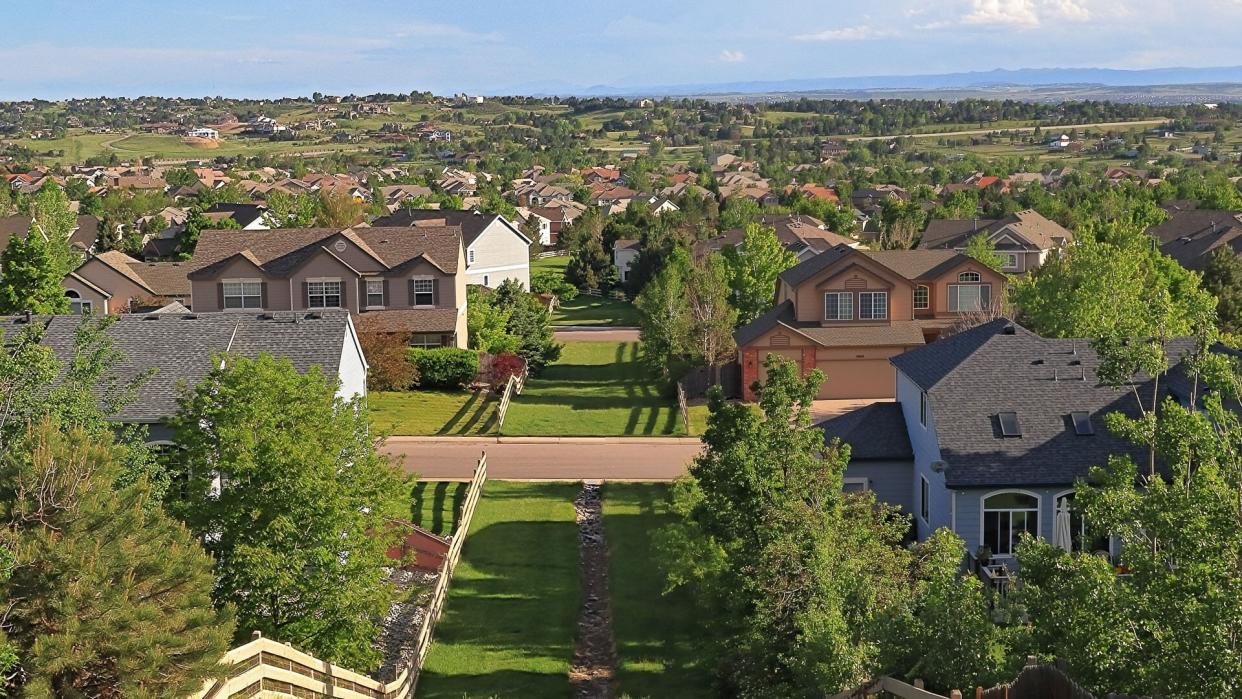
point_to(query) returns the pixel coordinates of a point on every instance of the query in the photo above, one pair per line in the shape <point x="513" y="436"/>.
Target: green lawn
<point x="596" y="389"/>
<point x="508" y="626"/>
<point x="586" y="310"/>
<point x="658" y="636"/>
<point x="434" y="505"/>
<point x="432" y="412"/>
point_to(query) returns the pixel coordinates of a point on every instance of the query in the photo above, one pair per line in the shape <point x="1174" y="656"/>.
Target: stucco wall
<point x="809" y="296"/>
<point x="118" y="285"/>
<point x="940" y="286"/>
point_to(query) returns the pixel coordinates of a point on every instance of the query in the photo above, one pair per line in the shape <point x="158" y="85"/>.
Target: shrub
<point x="388" y="356"/>
<point x="501" y="367"/>
<point x="548" y="282"/>
<point x="445" y="367"/>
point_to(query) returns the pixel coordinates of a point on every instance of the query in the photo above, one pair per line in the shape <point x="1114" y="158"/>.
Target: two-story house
<point x="1023" y="239"/>
<point x="409" y="280"/>
<point x="804" y="236"/>
<point x="112" y="283"/>
<point x="848" y="311"/>
<point x="496" y="249"/>
<point x="990" y="430"/>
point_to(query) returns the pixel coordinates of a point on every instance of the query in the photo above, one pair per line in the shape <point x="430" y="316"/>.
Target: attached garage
<point x="857" y="378"/>
<point x="794" y="355"/>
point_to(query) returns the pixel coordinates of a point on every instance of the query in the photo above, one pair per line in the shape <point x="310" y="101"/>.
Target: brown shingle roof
<point x="409" y="320"/>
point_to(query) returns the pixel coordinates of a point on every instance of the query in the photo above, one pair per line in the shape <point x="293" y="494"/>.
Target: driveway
<point x="549" y="458"/>
<point x="599" y="333"/>
<point x="824" y="409"/>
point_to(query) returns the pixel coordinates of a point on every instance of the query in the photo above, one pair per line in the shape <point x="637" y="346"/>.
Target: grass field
<point x="432" y="412"/>
<point x="508" y="626"/>
<point x="586" y="310"/>
<point x="657" y="635"/>
<point x="596" y="389"/>
<point x="434" y="505"/>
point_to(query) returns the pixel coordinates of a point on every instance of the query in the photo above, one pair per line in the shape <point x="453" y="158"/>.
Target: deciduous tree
<point x="753" y="268"/>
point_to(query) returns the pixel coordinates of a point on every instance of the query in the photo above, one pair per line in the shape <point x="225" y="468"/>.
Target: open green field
<point x="595" y="389"/>
<point x="583" y="309"/>
<point x="508" y="625"/>
<point x="432" y="412"/>
<point x="658" y="635"/>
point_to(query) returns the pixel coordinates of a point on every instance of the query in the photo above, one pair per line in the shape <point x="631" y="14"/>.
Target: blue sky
<point x="58" y="48"/>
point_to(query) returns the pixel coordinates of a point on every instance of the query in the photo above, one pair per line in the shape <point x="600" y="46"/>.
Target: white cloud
<point x="1070" y="10"/>
<point x="858" y="33"/>
<point x="729" y="56"/>
<point x="435" y="30"/>
<point x="1022" y="13"/>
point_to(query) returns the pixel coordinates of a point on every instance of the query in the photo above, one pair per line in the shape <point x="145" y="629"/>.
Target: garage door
<point x="794" y="355"/>
<point x="858" y="378"/>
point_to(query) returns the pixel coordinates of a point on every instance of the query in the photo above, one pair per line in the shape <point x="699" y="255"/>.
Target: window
<point x="969" y="297"/>
<point x="969" y="278"/>
<point x="323" y="293"/>
<point x="1011" y="260"/>
<point x="922" y="298"/>
<point x="856" y="485"/>
<point x="1080" y="539"/>
<point x="425" y="341"/>
<point x="923" y="408"/>
<point x="1005" y="517"/>
<point x="375" y="293"/>
<point x="924" y="499"/>
<point x="470" y="257"/>
<point x="243" y="293"/>
<point x="77" y="306"/>
<point x="838" y="305"/>
<point x="424" y="292"/>
<point x="1082" y="423"/>
<point x="873" y="305"/>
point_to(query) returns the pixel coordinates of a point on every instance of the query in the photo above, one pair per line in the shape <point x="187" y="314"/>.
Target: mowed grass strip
<point x="435" y="505"/>
<point x="596" y="389"/>
<point x="509" y="623"/>
<point x="583" y="309"/>
<point x="427" y="413"/>
<point x="659" y="644"/>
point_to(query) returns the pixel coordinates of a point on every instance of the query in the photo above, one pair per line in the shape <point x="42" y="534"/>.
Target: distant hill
<point x="1023" y="77"/>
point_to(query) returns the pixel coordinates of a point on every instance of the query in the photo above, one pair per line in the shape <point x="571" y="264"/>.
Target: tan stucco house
<point x="848" y="311"/>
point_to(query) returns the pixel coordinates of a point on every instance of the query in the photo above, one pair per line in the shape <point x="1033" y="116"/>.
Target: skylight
<point x="1082" y="423"/>
<point x="1009" y="425"/>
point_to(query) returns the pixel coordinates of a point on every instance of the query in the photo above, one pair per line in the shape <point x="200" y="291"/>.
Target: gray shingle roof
<point x="472" y="223"/>
<point x="1038" y="230"/>
<point x="876" y="432"/>
<point x="179" y="347"/>
<point x="972" y="377"/>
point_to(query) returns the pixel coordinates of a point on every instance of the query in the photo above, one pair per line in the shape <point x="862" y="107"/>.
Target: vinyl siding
<point x="889" y="480"/>
<point x="926" y="449"/>
<point x="499" y="254"/>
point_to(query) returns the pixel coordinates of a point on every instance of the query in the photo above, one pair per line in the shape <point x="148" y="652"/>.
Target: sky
<point x="53" y="49"/>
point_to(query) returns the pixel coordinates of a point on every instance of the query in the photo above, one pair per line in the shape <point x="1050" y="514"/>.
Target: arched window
<point x="1006" y="515"/>
<point x="1080" y="539"/>
<point x="969" y="278"/>
<point x="77" y="306"/>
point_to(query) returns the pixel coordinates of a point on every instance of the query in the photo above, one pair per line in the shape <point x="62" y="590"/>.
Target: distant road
<point x="532" y="458"/>
<point x="1011" y="129"/>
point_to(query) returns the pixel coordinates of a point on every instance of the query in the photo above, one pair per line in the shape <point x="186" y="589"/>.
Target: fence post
<point x="978" y="692"/>
<point x="681" y="405"/>
<point x="955" y="694"/>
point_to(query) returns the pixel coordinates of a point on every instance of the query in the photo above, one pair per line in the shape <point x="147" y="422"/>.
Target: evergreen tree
<point x="284" y="484"/>
<point x="31" y="275"/>
<point x="108" y="597"/>
<point x="1223" y="277"/>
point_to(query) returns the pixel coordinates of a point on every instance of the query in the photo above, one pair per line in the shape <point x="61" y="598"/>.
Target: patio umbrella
<point x="1061" y="536"/>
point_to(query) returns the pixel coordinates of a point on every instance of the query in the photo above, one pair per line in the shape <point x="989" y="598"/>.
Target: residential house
<point x="248" y="217"/>
<point x="182" y="349"/>
<point x="83" y="237"/>
<point x="408" y="280"/>
<point x="611" y="198"/>
<point x="559" y="214"/>
<point x="624" y="252"/>
<point x="1023" y="239"/>
<point x="608" y="175"/>
<point x="397" y="194"/>
<point x="815" y="191"/>
<point x="204" y="132"/>
<point x="805" y="236"/>
<point x="111" y="283"/>
<point x="1190" y="236"/>
<point x="848" y="311"/>
<point x="990" y="430"/>
<point x="496" y="249"/>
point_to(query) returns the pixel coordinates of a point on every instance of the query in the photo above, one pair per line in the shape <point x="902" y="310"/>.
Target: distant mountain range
<point x="1022" y="77"/>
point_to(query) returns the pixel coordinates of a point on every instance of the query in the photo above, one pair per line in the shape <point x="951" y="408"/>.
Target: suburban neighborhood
<point x="908" y="386"/>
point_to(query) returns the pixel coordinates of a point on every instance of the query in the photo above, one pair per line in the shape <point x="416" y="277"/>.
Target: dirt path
<point x="594" y="670"/>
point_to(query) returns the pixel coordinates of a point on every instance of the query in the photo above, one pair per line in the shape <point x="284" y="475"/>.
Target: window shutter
<point x="305" y="294"/>
<point x="384" y="301"/>
<point x="435" y="292"/>
<point x="952" y="297"/>
<point x="220" y="294"/>
<point x="345" y="293"/>
<point x="985" y="296"/>
<point x="263" y="295"/>
<point x="413" y="298"/>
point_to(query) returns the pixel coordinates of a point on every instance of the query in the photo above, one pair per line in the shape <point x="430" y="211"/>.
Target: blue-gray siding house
<point x="989" y="432"/>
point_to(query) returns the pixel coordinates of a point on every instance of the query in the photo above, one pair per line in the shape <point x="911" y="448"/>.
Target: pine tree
<point x="30" y="276"/>
<point x="109" y="597"/>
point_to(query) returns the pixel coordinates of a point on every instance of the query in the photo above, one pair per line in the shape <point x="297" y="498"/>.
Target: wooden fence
<point x="264" y="665"/>
<point x="681" y="405"/>
<point x="513" y="388"/>
<point x="551" y="253"/>
<point x="895" y="687"/>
